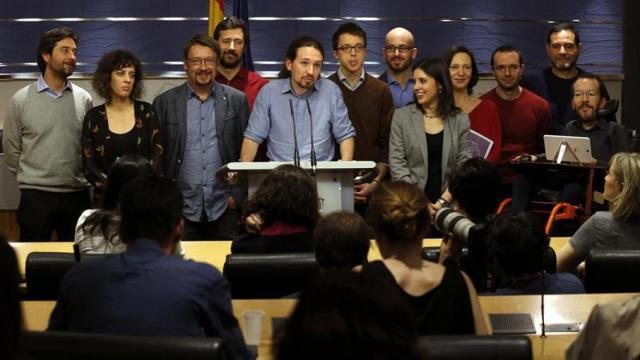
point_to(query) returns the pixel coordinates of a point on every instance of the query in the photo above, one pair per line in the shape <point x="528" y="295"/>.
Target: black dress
<point x="445" y="310"/>
<point x="101" y="147"/>
<point x="433" y="187"/>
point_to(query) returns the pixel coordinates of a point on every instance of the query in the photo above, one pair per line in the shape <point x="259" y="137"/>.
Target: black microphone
<point x="314" y="162"/>
<point x="544" y="266"/>
<point x="296" y="154"/>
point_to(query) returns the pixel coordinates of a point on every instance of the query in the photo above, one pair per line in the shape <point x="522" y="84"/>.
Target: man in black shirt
<point x="554" y="83"/>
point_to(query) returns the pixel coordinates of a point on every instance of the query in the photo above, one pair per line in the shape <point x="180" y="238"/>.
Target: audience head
<point x="507" y="65"/>
<point x="475" y="184"/>
<point x="398" y="213"/>
<point x="57" y="52"/>
<point x="622" y="186"/>
<point x="122" y="171"/>
<point x="341" y="240"/>
<point x="151" y="208"/>
<point x="563" y="47"/>
<point x="233" y="37"/>
<point x="114" y="70"/>
<point x="201" y="57"/>
<point x="303" y="63"/>
<point x="10" y="311"/>
<point x="399" y="50"/>
<point x="432" y="87"/>
<point x="462" y="68"/>
<point x="350" y="47"/>
<point x="587" y="96"/>
<point x="517" y="245"/>
<point x="348" y="315"/>
<point x="288" y="194"/>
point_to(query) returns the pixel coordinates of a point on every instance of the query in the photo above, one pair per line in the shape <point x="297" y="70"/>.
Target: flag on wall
<point x="216" y="14"/>
<point x="241" y="10"/>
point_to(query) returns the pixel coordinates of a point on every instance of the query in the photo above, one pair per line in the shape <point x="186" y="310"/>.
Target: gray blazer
<point x="408" y="146"/>
<point x="231" y="114"/>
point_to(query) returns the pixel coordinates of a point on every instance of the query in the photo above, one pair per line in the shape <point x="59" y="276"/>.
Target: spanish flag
<point x="216" y="14"/>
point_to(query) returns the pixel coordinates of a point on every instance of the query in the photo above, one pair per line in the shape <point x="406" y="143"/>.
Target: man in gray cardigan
<point x="42" y="143"/>
<point x="202" y="123"/>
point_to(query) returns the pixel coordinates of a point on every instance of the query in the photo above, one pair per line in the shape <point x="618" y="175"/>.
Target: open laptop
<point x="578" y="149"/>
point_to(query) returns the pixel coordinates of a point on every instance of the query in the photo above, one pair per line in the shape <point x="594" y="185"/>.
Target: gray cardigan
<point x="408" y="146"/>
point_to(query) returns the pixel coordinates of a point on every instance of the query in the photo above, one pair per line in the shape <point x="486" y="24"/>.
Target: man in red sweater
<point x="525" y="118"/>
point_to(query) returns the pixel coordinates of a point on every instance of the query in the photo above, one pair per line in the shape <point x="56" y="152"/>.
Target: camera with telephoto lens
<point x="472" y="238"/>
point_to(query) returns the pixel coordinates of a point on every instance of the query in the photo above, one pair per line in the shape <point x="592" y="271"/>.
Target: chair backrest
<point x="44" y="272"/>
<point x="608" y="270"/>
<point x="474" y="347"/>
<point x="52" y="345"/>
<point x="268" y="276"/>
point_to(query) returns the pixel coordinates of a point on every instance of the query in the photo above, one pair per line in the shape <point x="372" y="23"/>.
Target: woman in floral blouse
<point x="122" y="125"/>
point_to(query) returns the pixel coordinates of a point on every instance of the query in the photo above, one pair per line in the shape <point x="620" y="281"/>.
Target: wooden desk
<point x="558" y="309"/>
<point x="211" y="252"/>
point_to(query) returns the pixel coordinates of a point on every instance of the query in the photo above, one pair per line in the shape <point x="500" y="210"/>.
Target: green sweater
<point x="41" y="139"/>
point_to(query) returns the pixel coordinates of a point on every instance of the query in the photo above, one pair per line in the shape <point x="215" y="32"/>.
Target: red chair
<point x="559" y="211"/>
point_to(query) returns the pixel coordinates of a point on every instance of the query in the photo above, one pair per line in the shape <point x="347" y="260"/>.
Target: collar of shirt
<point x="345" y="81"/>
<point x="601" y="124"/>
<point x="286" y="88"/>
<point x="42" y="85"/>
<point x="191" y="93"/>
<point x="392" y="81"/>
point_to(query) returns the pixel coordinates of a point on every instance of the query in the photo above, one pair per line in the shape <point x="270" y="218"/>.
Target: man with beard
<point x="202" y="123"/>
<point x="286" y="109"/>
<point x="369" y="102"/>
<point x="554" y="83"/>
<point x="399" y="52"/>
<point x="231" y="33"/>
<point x="525" y="118"/>
<point x="42" y="142"/>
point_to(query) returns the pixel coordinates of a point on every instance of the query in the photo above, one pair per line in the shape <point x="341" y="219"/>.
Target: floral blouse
<point x="101" y="147"/>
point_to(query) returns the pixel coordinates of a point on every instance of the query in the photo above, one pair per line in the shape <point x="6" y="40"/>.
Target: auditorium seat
<point x="608" y="271"/>
<point x="52" y="345"/>
<point x="474" y="347"/>
<point x="268" y="276"/>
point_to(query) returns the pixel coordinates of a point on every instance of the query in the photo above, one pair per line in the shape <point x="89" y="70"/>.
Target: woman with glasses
<point x="483" y="114"/>
<point x="430" y="137"/>
<point x="617" y="228"/>
<point x="122" y="125"/>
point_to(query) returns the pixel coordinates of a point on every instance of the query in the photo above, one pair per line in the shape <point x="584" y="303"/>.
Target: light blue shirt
<point x="271" y="120"/>
<point x="42" y="85"/>
<point x="401" y="97"/>
<point x="196" y="179"/>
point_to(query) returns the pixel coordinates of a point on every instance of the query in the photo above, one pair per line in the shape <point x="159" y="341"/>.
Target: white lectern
<point x="333" y="178"/>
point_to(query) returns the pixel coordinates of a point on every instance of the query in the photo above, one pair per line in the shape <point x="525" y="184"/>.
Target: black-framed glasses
<point x="205" y="61"/>
<point x="348" y="48"/>
<point x="401" y="48"/>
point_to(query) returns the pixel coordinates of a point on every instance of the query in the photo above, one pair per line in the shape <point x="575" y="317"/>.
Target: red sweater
<point x="246" y="81"/>
<point x="485" y="119"/>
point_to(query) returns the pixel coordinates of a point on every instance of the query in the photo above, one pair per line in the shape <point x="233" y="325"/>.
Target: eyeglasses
<point x="589" y="93"/>
<point x="401" y="48"/>
<point x="503" y="68"/>
<point x="348" y="48"/>
<point x="228" y="42"/>
<point x="198" y="61"/>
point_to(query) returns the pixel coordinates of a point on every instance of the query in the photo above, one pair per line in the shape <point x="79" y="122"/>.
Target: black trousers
<point x="226" y="227"/>
<point x="41" y="212"/>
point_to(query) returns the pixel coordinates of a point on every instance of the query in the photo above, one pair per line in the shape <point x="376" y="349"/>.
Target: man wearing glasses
<point x="233" y="37"/>
<point x="369" y="102"/>
<point x="202" y="123"/>
<point x="399" y="52"/>
<point x="525" y="119"/>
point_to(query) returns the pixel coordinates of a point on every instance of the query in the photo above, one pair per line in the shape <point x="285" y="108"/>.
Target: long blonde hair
<point x="626" y="169"/>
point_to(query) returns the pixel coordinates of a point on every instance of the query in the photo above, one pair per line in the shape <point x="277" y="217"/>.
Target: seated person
<point x="347" y="315"/>
<point x="10" y="312"/>
<point x="617" y="228"/>
<point x="443" y="298"/>
<point x="97" y="229"/>
<point x="341" y="240"/>
<point x="610" y="333"/>
<point x="145" y="291"/>
<point x="517" y="249"/>
<point x="282" y="213"/>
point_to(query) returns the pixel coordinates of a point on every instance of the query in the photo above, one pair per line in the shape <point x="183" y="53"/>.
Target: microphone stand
<point x="314" y="161"/>
<point x="296" y="154"/>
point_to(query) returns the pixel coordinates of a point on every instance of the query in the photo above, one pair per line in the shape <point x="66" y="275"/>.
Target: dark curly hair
<point x="288" y="193"/>
<point x="116" y="60"/>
